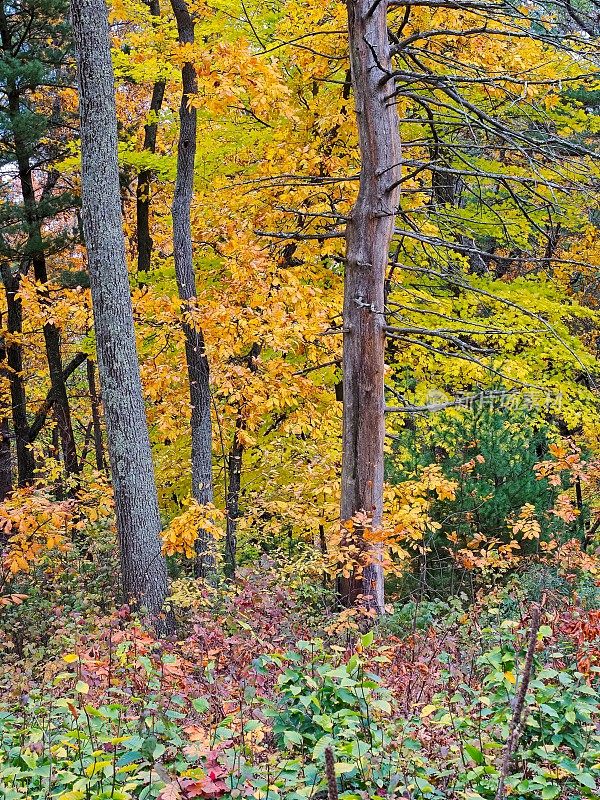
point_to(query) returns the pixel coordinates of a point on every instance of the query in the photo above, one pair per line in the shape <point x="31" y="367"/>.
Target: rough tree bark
<point x="368" y="236"/>
<point x="232" y="504"/>
<point x="195" y="350"/>
<point x="144" y="572"/>
<point x="144" y="182"/>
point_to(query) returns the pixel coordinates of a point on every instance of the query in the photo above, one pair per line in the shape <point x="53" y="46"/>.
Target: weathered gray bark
<point x="143" y="565"/>
<point x="232" y="505"/>
<point x="144" y="183"/>
<point x="368" y="237"/>
<point x="195" y="351"/>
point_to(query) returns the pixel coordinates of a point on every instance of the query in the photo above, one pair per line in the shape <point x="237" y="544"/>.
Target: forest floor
<point x="264" y="679"/>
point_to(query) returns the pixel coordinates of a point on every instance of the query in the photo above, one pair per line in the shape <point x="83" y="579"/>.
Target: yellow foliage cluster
<point x="33" y="523"/>
<point x="526" y="525"/>
<point x="407" y="522"/>
<point x="182" y="533"/>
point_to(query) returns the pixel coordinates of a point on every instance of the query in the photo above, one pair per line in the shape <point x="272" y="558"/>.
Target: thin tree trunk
<point x="39" y="420"/>
<point x="62" y="411"/>
<point x="96" y="423"/>
<point x="195" y="351"/>
<point x="234" y="478"/>
<point x="5" y="451"/>
<point x="143" y="565"/>
<point x="144" y="183"/>
<point x="55" y="449"/>
<point x="87" y="440"/>
<point x="368" y="237"/>
<point x="14" y="360"/>
<point x="232" y="504"/>
<point x="5" y="459"/>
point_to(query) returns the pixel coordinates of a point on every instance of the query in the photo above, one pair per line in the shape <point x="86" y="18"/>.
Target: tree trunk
<point x="87" y="440"/>
<point x="39" y="420"/>
<point x="143" y="566"/>
<point x="5" y="453"/>
<point x="5" y="459"/>
<point x="96" y="424"/>
<point x="195" y="351"/>
<point x="368" y="237"/>
<point x="14" y="360"/>
<point x="232" y="503"/>
<point x="144" y="183"/>
<point x="234" y="477"/>
<point x="62" y="411"/>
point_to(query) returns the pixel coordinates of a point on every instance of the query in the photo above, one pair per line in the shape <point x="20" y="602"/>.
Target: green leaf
<point x="475" y="754"/>
<point x="323" y="721"/>
<point x="586" y="779"/>
<point x="367" y="639"/>
<point x="341" y="768"/>
<point x="93" y="712"/>
<point x="319" y="748"/>
<point x="550" y="792"/>
<point x="424" y="785"/>
<point x="552" y="712"/>
<point x="292" y="737"/>
<point x="129" y="758"/>
<point x="201" y="704"/>
<point x="149" y="745"/>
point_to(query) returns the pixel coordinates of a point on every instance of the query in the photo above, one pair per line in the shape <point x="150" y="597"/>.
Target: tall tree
<point x="34" y="45"/>
<point x="144" y="182"/>
<point x="195" y="349"/>
<point x="143" y="565"/>
<point x="368" y="237"/>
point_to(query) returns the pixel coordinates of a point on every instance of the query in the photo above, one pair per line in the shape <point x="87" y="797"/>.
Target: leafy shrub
<point x="559" y="746"/>
<point x="71" y="749"/>
<point x="319" y="703"/>
<point x="271" y="740"/>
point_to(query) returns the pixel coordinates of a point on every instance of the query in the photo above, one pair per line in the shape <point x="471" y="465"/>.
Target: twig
<point x="516" y="721"/>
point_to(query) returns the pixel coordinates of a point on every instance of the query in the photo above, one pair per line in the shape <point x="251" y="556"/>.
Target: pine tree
<point x="34" y="52"/>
